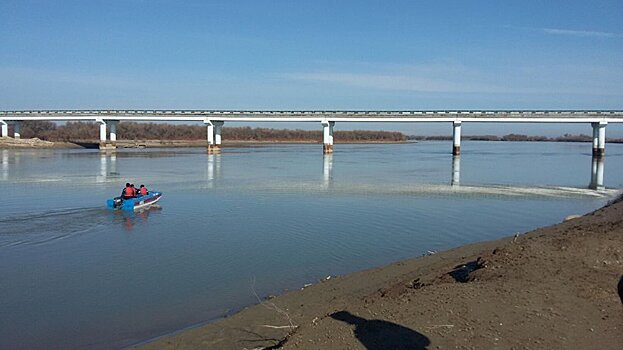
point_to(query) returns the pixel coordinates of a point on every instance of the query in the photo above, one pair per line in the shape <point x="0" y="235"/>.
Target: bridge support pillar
<point x="456" y="138"/>
<point x="102" y="133"/>
<point x="113" y="133"/>
<point x="599" y="139"/>
<point x="215" y="129"/>
<point x="327" y="128"/>
<point x="17" y="130"/>
<point x="104" y="145"/>
<point x="4" y="127"/>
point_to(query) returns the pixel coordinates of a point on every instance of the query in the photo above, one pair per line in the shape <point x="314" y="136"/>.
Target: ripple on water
<point x="53" y="225"/>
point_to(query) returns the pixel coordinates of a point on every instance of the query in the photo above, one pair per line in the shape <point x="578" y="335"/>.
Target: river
<point x="253" y="220"/>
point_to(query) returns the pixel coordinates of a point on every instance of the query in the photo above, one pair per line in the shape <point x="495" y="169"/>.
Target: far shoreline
<point x="35" y="143"/>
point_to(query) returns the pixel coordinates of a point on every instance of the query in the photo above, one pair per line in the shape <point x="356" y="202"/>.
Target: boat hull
<point x="135" y="203"/>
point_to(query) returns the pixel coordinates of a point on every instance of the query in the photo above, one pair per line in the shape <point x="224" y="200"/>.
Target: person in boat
<point x="143" y="190"/>
<point x="128" y="192"/>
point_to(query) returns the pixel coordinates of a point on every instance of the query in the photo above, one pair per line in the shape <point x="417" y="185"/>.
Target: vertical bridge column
<point x="456" y="138"/>
<point x="113" y="132"/>
<point x="210" y="129"/>
<point x="102" y="123"/>
<point x="327" y="128"/>
<point x="599" y="139"/>
<point x="215" y="129"/>
<point x="17" y="130"/>
<point x="5" y="128"/>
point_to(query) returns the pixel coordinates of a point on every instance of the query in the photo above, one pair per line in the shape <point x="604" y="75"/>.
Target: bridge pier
<point x="327" y="128"/>
<point x="17" y="130"/>
<point x="456" y="138"/>
<point x="215" y="129"/>
<point x="104" y="144"/>
<point x="4" y="127"/>
<point x="599" y="139"/>
<point x="113" y="133"/>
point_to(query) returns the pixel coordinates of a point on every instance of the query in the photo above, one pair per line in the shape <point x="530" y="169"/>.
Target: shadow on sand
<point x="380" y="335"/>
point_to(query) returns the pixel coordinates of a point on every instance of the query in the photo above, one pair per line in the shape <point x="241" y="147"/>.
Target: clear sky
<point x="356" y="55"/>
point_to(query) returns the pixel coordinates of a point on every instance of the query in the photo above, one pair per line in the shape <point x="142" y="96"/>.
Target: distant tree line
<point x="73" y="131"/>
<point x="515" y="137"/>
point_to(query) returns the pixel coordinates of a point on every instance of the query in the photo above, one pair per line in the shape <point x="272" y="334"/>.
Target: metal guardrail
<point x="337" y="115"/>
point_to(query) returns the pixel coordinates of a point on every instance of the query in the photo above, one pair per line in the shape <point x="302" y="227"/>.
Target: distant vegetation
<point x="72" y="131"/>
<point x="516" y="137"/>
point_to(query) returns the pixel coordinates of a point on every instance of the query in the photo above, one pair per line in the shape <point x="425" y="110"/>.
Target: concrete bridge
<point x="214" y="120"/>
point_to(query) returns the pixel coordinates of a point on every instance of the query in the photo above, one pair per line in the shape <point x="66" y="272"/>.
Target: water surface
<point x="75" y="274"/>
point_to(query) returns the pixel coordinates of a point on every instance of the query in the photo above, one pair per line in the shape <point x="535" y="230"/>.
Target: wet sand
<point x="551" y="288"/>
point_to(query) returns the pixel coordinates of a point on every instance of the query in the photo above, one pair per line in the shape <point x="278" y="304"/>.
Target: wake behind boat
<point x="134" y="203"/>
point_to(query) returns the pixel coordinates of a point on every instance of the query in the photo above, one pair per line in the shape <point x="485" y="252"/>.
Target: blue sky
<point x="387" y="55"/>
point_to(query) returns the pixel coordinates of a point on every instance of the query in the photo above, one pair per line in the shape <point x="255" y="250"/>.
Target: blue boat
<point x="134" y="203"/>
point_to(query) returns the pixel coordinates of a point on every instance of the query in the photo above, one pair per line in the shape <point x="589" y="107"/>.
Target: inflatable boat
<point x="135" y="203"/>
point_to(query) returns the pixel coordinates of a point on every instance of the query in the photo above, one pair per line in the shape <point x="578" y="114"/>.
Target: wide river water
<point x="253" y="220"/>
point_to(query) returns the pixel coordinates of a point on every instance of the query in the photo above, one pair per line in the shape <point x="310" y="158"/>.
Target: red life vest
<point x="128" y="192"/>
<point x="143" y="191"/>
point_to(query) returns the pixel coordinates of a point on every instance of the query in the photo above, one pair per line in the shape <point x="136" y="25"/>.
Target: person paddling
<point x="143" y="190"/>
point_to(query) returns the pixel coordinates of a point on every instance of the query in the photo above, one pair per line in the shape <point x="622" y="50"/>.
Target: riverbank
<point x="34" y="143"/>
<point x="8" y="142"/>
<point x="550" y="288"/>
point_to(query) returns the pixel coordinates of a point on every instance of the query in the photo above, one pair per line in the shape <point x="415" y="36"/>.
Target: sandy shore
<point x="552" y="288"/>
<point x="9" y="142"/>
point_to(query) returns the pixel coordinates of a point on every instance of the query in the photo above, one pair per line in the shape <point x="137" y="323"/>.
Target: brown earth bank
<point x="552" y="288"/>
<point x="9" y="142"/>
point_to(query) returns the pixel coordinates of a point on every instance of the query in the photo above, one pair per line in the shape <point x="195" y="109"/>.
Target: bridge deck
<point x="533" y="116"/>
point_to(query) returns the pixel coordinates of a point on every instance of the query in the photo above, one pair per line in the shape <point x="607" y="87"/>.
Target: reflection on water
<point x="327" y="170"/>
<point x="597" y="174"/>
<point x="73" y="266"/>
<point x="107" y="167"/>
<point x="5" y="164"/>
<point x="214" y="168"/>
<point x="130" y="219"/>
<point x="456" y="170"/>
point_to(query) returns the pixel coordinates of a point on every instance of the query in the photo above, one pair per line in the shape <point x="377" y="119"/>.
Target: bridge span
<point x="214" y="120"/>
